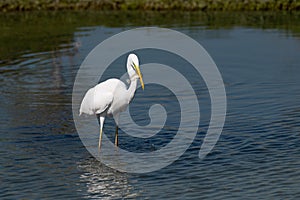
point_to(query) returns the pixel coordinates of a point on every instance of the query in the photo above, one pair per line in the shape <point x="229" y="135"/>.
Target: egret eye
<point x="133" y="66"/>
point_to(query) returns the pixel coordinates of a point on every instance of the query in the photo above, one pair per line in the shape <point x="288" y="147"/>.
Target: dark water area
<point x="256" y="157"/>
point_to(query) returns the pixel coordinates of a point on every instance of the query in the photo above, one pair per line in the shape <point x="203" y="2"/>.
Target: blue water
<point x="257" y="156"/>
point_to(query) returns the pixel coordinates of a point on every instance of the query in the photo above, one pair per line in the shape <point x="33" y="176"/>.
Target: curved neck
<point x="132" y="88"/>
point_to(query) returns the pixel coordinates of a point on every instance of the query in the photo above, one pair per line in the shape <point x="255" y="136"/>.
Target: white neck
<point x="132" y="88"/>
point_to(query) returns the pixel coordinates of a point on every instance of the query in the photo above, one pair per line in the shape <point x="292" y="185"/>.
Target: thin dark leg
<point x="116" y="136"/>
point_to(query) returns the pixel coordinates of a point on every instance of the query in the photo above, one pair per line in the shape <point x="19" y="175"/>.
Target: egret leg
<point x="116" y="117"/>
<point x="101" y="120"/>
<point x="100" y="140"/>
<point x="116" y="136"/>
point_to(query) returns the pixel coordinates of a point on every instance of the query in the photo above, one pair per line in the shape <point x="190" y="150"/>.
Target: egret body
<point x="112" y="96"/>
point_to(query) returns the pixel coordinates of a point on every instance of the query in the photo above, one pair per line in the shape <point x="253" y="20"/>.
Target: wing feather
<point x="96" y="101"/>
<point x="99" y="98"/>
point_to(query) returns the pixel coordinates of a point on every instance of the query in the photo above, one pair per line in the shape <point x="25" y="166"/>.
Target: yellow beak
<point x="140" y="76"/>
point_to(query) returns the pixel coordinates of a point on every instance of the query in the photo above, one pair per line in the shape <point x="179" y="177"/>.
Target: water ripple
<point x="257" y="156"/>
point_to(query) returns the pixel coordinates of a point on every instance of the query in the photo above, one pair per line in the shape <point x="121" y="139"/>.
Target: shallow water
<point x="257" y="156"/>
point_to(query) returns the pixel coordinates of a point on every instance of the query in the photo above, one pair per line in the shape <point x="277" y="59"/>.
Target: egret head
<point x="133" y="68"/>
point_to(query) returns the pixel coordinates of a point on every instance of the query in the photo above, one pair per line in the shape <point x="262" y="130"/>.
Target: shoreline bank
<point x="183" y="5"/>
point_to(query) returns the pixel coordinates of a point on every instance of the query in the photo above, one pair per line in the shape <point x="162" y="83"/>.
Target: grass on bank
<point x="203" y="5"/>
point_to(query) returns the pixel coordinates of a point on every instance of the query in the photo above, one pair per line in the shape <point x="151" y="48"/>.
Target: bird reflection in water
<point x="105" y="183"/>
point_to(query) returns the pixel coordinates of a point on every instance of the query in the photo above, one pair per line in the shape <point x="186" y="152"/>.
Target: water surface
<point x="257" y="156"/>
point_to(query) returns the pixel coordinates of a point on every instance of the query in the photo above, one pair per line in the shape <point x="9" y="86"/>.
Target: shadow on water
<point x="32" y="32"/>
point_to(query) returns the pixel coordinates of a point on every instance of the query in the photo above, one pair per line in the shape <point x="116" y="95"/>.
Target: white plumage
<point x="111" y="97"/>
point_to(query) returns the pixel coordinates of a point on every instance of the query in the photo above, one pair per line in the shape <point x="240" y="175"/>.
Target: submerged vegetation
<point x="204" y="5"/>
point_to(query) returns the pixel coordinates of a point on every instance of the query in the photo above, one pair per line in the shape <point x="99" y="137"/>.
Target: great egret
<point x="111" y="97"/>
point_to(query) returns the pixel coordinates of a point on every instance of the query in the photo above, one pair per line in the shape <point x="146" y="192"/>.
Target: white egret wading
<point x="111" y="97"/>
